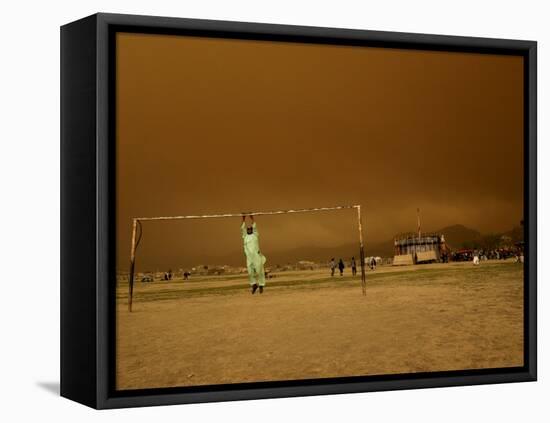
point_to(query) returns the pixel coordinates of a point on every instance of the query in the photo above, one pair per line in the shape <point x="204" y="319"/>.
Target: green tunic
<point x="255" y="260"/>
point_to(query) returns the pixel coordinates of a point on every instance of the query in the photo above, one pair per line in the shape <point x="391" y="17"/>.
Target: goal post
<point x="136" y="237"/>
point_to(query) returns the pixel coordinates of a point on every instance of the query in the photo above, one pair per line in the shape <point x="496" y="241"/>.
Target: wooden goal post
<point x="136" y="223"/>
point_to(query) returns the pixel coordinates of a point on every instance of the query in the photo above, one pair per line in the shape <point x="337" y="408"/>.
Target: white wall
<point x="29" y="237"/>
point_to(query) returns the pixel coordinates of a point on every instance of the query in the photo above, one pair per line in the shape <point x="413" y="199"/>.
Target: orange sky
<point x="211" y="125"/>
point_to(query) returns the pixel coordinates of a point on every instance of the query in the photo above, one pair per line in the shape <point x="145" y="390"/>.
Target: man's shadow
<point x="51" y="387"/>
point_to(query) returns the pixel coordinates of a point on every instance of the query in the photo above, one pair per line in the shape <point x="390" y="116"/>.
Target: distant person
<point x="332" y="266"/>
<point x="476" y="258"/>
<point x="255" y="260"/>
<point x="353" y="266"/>
<point x="341" y="267"/>
<point x="373" y="263"/>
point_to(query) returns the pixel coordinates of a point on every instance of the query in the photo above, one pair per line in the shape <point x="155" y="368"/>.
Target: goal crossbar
<point x="260" y="213"/>
<point x="136" y="221"/>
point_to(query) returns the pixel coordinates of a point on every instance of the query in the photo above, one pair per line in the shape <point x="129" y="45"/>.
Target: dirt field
<point x="307" y="325"/>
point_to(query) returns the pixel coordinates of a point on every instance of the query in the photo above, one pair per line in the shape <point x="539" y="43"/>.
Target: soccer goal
<point x="137" y="232"/>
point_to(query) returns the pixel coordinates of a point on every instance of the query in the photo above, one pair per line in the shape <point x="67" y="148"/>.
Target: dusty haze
<point x="209" y="125"/>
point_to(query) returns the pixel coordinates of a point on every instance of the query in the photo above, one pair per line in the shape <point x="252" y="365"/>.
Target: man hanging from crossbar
<point x="255" y="260"/>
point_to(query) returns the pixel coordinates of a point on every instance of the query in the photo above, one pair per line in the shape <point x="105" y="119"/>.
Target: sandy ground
<point x="308" y="325"/>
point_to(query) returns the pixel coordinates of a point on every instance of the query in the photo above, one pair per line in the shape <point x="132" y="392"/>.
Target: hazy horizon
<point x="218" y="125"/>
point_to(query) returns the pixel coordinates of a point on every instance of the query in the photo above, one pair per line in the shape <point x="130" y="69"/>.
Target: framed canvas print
<point x="256" y="211"/>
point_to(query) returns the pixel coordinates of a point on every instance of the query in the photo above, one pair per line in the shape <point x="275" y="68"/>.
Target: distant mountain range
<point x="456" y="237"/>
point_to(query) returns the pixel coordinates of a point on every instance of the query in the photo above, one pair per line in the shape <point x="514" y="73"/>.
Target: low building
<point x="413" y="248"/>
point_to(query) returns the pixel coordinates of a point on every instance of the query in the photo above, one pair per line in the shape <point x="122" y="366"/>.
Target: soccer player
<point x="255" y="260"/>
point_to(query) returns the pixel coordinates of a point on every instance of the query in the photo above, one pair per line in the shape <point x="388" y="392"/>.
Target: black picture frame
<point x="87" y="218"/>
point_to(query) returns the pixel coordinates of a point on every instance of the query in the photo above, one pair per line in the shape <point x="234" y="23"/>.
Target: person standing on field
<point x="341" y="267"/>
<point x="332" y="266"/>
<point x="353" y="266"/>
<point x="255" y="260"/>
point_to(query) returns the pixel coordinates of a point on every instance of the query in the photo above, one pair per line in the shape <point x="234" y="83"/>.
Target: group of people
<point x="341" y="266"/>
<point x="499" y="254"/>
<point x="482" y="255"/>
<point x="371" y="262"/>
<point x="167" y="276"/>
